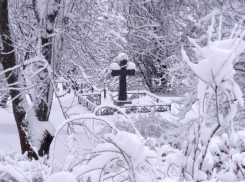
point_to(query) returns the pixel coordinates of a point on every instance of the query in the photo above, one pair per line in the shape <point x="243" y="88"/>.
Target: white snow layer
<point x="121" y="56"/>
<point x="131" y="66"/>
<point x="61" y="177"/>
<point x="114" y="66"/>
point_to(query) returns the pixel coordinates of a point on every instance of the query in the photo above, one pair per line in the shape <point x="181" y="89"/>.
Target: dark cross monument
<point x="122" y="70"/>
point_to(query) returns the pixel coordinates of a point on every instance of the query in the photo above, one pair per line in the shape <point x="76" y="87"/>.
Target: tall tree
<point x="35" y="136"/>
<point x="8" y="61"/>
<point x="46" y="13"/>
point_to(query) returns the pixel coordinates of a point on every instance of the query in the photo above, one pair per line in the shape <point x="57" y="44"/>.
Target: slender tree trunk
<point x="44" y="102"/>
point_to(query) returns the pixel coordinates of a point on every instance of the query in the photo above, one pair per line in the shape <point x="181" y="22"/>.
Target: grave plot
<point x="124" y="101"/>
<point x="141" y="102"/>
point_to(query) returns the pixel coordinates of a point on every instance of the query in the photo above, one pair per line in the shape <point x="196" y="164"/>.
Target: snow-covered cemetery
<point x="122" y="91"/>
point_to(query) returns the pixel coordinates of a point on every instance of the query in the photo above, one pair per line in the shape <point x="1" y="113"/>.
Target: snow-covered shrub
<point x="125" y="157"/>
<point x="19" y="168"/>
<point x="216" y="87"/>
<point x="15" y="167"/>
<point x="120" y="156"/>
<point x="164" y="131"/>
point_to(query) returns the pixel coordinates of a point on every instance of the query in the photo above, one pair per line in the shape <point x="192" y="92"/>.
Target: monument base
<point x="122" y="102"/>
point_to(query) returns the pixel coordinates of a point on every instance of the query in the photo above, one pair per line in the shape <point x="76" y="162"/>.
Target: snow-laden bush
<point x="217" y="91"/>
<point x="154" y="126"/>
<point x="120" y="155"/>
<point x="125" y="157"/>
<point x="165" y="132"/>
<point x="15" y="167"/>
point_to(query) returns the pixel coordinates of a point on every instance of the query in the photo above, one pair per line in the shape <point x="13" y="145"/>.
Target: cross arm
<point x="122" y="72"/>
<point x="130" y="72"/>
<point x="115" y="72"/>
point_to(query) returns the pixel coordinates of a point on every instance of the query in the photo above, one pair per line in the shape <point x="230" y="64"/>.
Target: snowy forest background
<point x="189" y="50"/>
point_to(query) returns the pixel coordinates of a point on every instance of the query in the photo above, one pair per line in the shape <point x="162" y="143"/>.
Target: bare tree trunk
<point x="9" y="61"/>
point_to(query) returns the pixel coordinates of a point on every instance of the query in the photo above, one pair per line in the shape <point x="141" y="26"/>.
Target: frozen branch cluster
<point x="215" y="68"/>
<point x="216" y="85"/>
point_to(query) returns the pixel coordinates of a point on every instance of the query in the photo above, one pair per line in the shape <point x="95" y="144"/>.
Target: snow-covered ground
<point x="9" y="138"/>
<point x="9" y="134"/>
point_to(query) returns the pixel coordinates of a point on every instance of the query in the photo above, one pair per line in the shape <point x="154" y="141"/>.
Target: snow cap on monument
<point x="120" y="57"/>
<point x="114" y="66"/>
<point x="131" y="66"/>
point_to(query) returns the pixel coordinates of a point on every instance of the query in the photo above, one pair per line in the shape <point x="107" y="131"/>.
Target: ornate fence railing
<point x="146" y="108"/>
<point x="93" y="100"/>
<point x="90" y="100"/>
<point x="103" y="111"/>
<point x="95" y="97"/>
<point x="86" y="88"/>
<point x="141" y="93"/>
